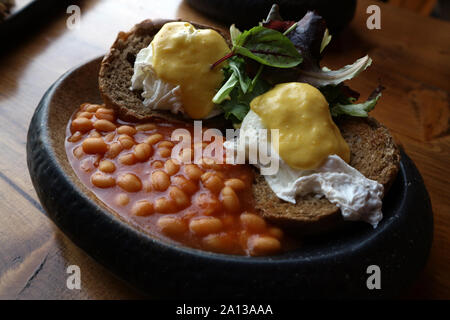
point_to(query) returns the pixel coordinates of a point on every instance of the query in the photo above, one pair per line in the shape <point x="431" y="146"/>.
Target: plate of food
<point x="194" y="163"/>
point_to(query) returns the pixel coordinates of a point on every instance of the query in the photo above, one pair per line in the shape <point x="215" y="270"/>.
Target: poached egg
<point x="312" y="155"/>
<point x="175" y="73"/>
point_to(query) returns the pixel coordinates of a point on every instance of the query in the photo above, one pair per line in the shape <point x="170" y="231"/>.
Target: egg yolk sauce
<point x="307" y="133"/>
<point x="129" y="166"/>
<point x="183" y="55"/>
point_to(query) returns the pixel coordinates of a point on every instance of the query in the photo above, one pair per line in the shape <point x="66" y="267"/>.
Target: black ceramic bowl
<point x="330" y="267"/>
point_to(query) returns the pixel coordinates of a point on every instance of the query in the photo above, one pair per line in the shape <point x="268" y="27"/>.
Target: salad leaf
<point x="234" y="33"/>
<point x="235" y="72"/>
<point x="224" y="91"/>
<point x="275" y="21"/>
<point x="356" y="109"/>
<point x="237" y="65"/>
<point x="325" y="40"/>
<point x="324" y="76"/>
<point x="237" y="107"/>
<point x="310" y="37"/>
<point x="339" y="94"/>
<point x="268" y="47"/>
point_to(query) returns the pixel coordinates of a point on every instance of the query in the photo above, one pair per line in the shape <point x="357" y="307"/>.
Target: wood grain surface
<point x="411" y="56"/>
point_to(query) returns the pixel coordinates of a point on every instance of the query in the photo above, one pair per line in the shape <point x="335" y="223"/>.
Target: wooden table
<point x="411" y="56"/>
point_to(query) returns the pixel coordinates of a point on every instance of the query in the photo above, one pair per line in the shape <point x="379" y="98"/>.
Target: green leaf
<point x="268" y="47"/>
<point x="237" y="106"/>
<point x="355" y="110"/>
<point x="323" y="77"/>
<point x="225" y="90"/>
<point x="237" y="65"/>
<point x="234" y="33"/>
<point x="326" y="40"/>
<point x="235" y="112"/>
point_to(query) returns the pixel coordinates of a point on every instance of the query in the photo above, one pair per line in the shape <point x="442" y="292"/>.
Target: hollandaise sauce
<point x="183" y="55"/>
<point x="307" y="133"/>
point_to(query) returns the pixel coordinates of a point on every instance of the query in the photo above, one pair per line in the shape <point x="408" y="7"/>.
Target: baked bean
<point x="205" y="225"/>
<point x="228" y="220"/>
<point x="78" y="152"/>
<point x="126" y="130"/>
<point x="193" y="172"/>
<point x="276" y="232"/>
<point x="102" y="181"/>
<point x="95" y="134"/>
<point x="206" y="176"/>
<point x="129" y="182"/>
<point x="92" y="107"/>
<point x="75" y="137"/>
<point x="164" y="205"/>
<point x="109" y="137"/>
<point x="181" y="199"/>
<point x="104" y="125"/>
<point x="166" y="144"/>
<point x="186" y="155"/>
<point x="128" y="159"/>
<point x="171" y="166"/>
<point x="142" y="152"/>
<point x="81" y="124"/>
<point x="208" y="163"/>
<point x="186" y="185"/>
<point x="213" y="183"/>
<point x="154" y="138"/>
<point x="157" y="164"/>
<point x="114" y="149"/>
<point x="85" y="114"/>
<point x="142" y="208"/>
<point x="107" y="166"/>
<point x="230" y="200"/>
<point x="222" y="243"/>
<point x="253" y="222"/>
<point x="83" y="106"/>
<point x="94" y="145"/>
<point x="164" y="152"/>
<point x="103" y="113"/>
<point x="145" y="127"/>
<point x="263" y="245"/>
<point x="172" y="226"/>
<point x="208" y="203"/>
<point x="160" y="180"/>
<point x="126" y="141"/>
<point x="122" y="199"/>
<point x="235" y="184"/>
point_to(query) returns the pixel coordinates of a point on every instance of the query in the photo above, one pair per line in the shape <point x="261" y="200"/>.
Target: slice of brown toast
<point x="117" y="69"/>
<point x="373" y="152"/>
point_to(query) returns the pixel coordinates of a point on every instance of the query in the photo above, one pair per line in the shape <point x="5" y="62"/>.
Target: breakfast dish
<point x="306" y="157"/>
<point x="109" y="167"/>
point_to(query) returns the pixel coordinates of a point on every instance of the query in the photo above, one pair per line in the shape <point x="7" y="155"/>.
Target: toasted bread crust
<point x="373" y="152"/>
<point x="117" y="69"/>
